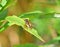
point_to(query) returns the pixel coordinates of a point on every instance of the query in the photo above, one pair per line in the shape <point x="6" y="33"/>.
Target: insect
<point x="28" y="23"/>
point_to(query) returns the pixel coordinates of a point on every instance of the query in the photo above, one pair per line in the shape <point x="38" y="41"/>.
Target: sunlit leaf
<point x="20" y="22"/>
<point x="5" y="4"/>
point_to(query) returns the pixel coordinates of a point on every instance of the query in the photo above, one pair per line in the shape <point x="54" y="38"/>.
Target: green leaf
<point x="37" y="14"/>
<point x="48" y="10"/>
<point x="4" y="27"/>
<point x="20" y="22"/>
<point x="31" y="15"/>
<point x="39" y="20"/>
<point x="26" y="45"/>
<point x="5" y="4"/>
<point x="3" y="14"/>
<point x="15" y="20"/>
<point x="2" y="4"/>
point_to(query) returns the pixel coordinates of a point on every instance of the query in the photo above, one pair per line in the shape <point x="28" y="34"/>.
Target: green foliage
<point x="40" y="20"/>
<point x="5" y="3"/>
<point x="20" y="22"/>
<point x="26" y="45"/>
<point x="56" y="25"/>
<point x="48" y="10"/>
<point x="52" y="41"/>
<point x="31" y="15"/>
<point x="3" y="14"/>
<point x="58" y="2"/>
<point x="57" y="38"/>
<point x="4" y="27"/>
<point x="32" y="45"/>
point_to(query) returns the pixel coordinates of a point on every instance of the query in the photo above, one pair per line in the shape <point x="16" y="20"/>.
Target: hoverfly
<point x="28" y="23"/>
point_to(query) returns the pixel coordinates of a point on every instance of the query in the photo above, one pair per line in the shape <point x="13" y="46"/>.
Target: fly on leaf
<point x="28" y="23"/>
